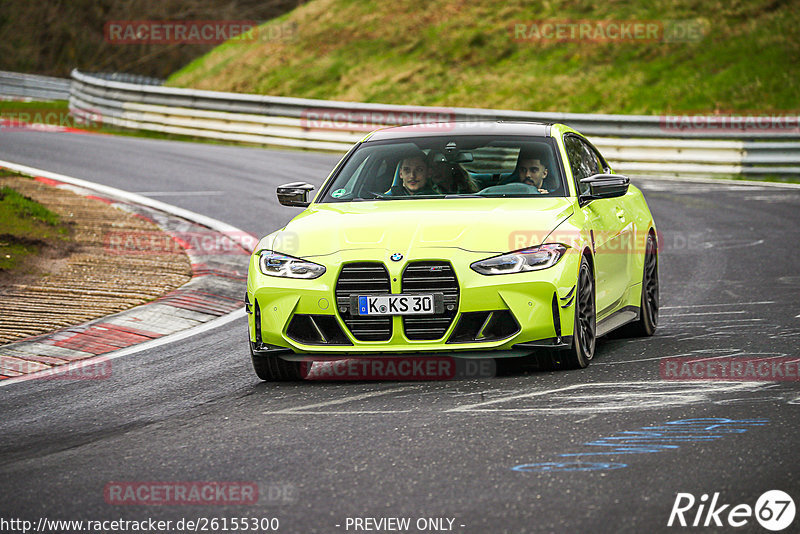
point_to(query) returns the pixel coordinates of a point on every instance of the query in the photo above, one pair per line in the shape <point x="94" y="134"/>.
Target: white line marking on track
<point x="713" y="321"/>
<point x="749" y="354"/>
<point x="704" y="313"/>
<point x="748" y="400"/>
<point x="689" y="355"/>
<point x="634" y="395"/>
<point x="468" y="407"/>
<point x="714" y="305"/>
<point x="638" y="361"/>
<point x="355" y="412"/>
<point x="342" y="400"/>
<point x="585" y="419"/>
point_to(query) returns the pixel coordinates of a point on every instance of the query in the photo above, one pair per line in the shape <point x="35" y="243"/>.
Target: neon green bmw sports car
<point x="487" y="240"/>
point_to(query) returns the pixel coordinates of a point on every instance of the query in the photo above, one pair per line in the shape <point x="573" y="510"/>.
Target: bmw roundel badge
<point x="396" y="256"/>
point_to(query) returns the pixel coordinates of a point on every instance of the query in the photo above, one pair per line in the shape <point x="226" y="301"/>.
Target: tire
<point x="648" y="314"/>
<point x="275" y="368"/>
<point x="584" y="335"/>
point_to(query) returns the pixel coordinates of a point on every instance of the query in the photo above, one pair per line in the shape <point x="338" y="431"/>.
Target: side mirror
<point x="294" y="194"/>
<point x="605" y="186"/>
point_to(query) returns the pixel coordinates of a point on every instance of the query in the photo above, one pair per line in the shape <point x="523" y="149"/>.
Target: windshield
<point x="449" y="167"/>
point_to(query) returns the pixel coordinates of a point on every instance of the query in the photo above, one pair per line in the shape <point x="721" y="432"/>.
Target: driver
<point x="531" y="169"/>
<point x="416" y="177"/>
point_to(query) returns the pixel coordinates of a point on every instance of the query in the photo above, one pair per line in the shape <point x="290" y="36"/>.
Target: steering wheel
<point x="514" y="188"/>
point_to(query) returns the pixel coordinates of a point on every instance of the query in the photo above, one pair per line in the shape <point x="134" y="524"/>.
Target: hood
<point x="492" y="225"/>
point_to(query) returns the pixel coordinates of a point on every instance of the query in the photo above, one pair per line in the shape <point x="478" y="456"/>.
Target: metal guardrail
<point x="33" y="87"/>
<point x="632" y="143"/>
<point x="127" y="78"/>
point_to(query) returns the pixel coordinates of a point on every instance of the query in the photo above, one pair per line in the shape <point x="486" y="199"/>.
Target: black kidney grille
<point x="363" y="278"/>
<point x="431" y="277"/>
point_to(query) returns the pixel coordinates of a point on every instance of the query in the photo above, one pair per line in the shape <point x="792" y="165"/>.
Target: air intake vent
<point x="363" y="279"/>
<point x="316" y="330"/>
<point x="431" y="277"/>
<point x="484" y="326"/>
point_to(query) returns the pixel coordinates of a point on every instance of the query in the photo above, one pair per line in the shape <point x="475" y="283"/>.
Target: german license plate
<point x="396" y="305"/>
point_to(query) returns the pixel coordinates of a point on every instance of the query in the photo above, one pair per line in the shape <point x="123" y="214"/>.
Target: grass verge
<point x="27" y="228"/>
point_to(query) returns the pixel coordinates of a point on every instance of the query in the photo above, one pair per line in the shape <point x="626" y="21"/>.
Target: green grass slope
<point x="25" y="228"/>
<point x="462" y="53"/>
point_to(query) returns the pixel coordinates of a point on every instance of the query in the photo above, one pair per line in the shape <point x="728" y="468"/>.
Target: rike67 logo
<point x="774" y="510"/>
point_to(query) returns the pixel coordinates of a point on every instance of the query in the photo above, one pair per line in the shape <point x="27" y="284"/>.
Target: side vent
<point x="257" y="317"/>
<point x="556" y="317"/>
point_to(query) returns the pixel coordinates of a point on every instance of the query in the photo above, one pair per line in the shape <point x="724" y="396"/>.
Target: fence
<point x="33" y="87"/>
<point x="671" y="145"/>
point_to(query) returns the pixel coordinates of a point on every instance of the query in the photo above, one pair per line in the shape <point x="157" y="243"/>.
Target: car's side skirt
<point x="617" y="319"/>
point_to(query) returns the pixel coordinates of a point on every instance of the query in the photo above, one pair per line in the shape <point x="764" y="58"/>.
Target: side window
<point x="597" y="161"/>
<point x="581" y="165"/>
<point x="591" y="160"/>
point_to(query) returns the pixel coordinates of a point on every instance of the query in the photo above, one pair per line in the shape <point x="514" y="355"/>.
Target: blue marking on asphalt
<point x="669" y="436"/>
<point x="567" y="466"/>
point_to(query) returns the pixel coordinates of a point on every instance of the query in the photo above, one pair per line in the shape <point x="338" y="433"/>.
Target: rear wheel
<point x="584" y="335"/>
<point x="275" y="368"/>
<point x="648" y="315"/>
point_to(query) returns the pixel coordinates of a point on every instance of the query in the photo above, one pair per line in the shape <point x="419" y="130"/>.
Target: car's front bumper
<point x="540" y="304"/>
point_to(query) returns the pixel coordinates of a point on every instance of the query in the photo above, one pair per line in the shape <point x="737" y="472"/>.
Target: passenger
<point x="449" y="178"/>
<point x="415" y="175"/>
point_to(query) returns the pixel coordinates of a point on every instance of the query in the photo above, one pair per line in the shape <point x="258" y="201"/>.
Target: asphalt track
<point x="323" y="452"/>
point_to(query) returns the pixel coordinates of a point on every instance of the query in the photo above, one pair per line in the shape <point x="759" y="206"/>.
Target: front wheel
<point x="648" y="315"/>
<point x="584" y="333"/>
<point x="275" y="368"/>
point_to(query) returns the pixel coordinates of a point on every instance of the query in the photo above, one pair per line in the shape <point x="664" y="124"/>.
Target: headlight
<point x="529" y="259"/>
<point x="275" y="264"/>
